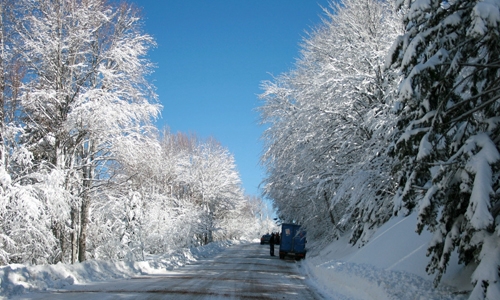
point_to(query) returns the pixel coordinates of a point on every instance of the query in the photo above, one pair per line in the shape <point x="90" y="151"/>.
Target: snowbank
<point x="17" y="279"/>
<point x="390" y="266"/>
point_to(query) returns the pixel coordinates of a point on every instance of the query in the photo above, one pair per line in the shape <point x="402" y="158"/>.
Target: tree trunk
<point x="327" y="203"/>
<point x="58" y="231"/>
<point x="87" y="153"/>
<point x="82" y="242"/>
<point x="74" y="235"/>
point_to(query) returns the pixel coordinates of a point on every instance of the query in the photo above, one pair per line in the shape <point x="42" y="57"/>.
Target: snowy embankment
<point x="390" y="266"/>
<point x="17" y="279"/>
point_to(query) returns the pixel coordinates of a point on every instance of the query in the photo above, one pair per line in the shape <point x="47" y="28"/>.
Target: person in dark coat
<point x="271" y="244"/>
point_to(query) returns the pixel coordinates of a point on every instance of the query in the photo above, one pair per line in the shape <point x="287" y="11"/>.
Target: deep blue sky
<point x="211" y="58"/>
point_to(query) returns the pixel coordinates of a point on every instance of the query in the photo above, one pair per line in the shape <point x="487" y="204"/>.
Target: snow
<point x="490" y="256"/>
<point x="486" y="15"/>
<point x="479" y="164"/>
<point x="17" y="279"/>
<point x="425" y="148"/>
<point x="390" y="266"/>
<point x="452" y="20"/>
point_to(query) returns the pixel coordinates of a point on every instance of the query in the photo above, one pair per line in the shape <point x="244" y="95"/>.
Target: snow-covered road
<point x="244" y="271"/>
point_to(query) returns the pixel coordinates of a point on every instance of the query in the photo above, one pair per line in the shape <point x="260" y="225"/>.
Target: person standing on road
<point x="271" y="244"/>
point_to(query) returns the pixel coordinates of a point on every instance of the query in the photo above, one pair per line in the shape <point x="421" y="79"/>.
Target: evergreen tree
<point x="449" y="116"/>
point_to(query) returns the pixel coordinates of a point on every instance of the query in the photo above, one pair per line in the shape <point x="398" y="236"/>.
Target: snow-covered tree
<point x="449" y="116"/>
<point x="5" y="100"/>
<point x="25" y="222"/>
<point x="174" y="192"/>
<point x="256" y="216"/>
<point x="329" y="123"/>
<point x="85" y="88"/>
<point x="219" y="186"/>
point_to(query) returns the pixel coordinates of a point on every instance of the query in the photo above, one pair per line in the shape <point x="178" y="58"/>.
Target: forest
<point x="84" y="173"/>
<point x="393" y="108"/>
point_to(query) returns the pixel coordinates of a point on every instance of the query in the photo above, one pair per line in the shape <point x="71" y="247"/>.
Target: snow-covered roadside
<point x="17" y="279"/>
<point x="390" y="266"/>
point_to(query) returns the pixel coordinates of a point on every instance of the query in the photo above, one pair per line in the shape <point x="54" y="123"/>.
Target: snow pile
<point x="17" y="279"/>
<point x="390" y="266"/>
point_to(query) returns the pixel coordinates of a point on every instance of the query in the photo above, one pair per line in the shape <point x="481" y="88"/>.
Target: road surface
<point x="243" y="271"/>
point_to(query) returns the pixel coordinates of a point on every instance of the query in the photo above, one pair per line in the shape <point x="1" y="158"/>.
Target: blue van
<point x="293" y="241"/>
